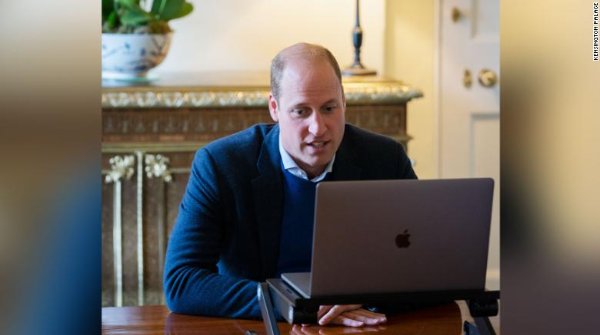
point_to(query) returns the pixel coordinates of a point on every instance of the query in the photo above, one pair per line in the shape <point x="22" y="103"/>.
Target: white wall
<point x="245" y="35"/>
<point x="410" y="51"/>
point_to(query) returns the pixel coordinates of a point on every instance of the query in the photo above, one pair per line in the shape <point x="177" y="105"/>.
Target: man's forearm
<point x="201" y="292"/>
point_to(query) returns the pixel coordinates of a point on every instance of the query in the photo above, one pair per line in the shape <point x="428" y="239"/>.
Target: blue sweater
<point x="295" y="248"/>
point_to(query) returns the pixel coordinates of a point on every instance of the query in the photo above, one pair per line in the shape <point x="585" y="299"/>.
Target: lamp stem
<point x="357" y="69"/>
<point x="357" y="13"/>
<point x="357" y="36"/>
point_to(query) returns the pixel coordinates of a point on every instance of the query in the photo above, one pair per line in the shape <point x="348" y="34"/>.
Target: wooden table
<point x="146" y="320"/>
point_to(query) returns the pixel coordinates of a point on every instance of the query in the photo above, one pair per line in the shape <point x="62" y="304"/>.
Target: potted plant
<point x="136" y="35"/>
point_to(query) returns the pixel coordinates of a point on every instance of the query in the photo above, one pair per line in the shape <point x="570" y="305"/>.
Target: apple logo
<point x="402" y="239"/>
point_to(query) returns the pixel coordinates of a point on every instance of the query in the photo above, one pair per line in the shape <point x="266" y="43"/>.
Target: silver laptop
<point x="398" y="236"/>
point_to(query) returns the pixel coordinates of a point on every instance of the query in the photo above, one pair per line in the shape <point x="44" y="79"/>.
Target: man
<point x="248" y="208"/>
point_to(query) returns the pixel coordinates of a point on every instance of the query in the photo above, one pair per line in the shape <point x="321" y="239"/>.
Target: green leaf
<point x="108" y="7"/>
<point x="132" y="14"/>
<point x="112" y="20"/>
<point x="111" y="23"/>
<point x="128" y="15"/>
<point x="157" y="6"/>
<point x="129" y="3"/>
<point x="173" y="9"/>
<point x="186" y="10"/>
<point x="134" y="17"/>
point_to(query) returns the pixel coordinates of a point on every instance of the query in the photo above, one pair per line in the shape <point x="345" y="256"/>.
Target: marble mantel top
<point x="241" y="89"/>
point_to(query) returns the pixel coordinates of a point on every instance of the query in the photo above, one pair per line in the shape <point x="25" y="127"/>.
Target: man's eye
<point x="299" y="112"/>
<point x="330" y="108"/>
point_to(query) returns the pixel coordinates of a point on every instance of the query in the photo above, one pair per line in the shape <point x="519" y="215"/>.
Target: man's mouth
<point x="317" y="144"/>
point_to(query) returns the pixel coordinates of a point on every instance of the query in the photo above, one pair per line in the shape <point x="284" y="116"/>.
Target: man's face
<point x="310" y="111"/>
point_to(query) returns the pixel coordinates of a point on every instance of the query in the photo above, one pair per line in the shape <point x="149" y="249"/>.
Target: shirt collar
<point x="290" y="165"/>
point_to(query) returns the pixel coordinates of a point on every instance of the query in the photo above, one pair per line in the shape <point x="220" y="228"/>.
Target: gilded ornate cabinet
<point x="149" y="136"/>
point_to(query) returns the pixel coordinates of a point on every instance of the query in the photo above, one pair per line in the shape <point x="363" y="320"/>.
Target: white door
<point x="470" y="110"/>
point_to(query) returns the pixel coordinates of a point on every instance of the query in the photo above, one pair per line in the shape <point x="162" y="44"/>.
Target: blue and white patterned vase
<point x="131" y="56"/>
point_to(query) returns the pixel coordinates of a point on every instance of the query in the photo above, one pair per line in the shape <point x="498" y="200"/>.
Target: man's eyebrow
<point x="299" y="105"/>
<point x="331" y="101"/>
<point x="305" y="104"/>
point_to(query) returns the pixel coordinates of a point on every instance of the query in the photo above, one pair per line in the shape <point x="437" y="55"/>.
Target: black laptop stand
<point x="276" y="296"/>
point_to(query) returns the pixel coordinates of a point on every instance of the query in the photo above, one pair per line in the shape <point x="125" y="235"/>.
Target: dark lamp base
<point x="358" y="70"/>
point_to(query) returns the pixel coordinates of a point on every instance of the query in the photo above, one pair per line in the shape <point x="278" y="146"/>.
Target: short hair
<point x="304" y="50"/>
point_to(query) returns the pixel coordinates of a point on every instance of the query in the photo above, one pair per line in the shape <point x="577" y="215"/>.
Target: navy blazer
<point x="226" y="237"/>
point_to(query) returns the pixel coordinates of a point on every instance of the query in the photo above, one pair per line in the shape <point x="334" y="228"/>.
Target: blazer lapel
<point x="268" y="201"/>
<point x="345" y="167"/>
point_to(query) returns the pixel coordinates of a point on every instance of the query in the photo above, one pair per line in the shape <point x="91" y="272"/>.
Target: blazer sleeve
<point x="405" y="170"/>
<point x="192" y="283"/>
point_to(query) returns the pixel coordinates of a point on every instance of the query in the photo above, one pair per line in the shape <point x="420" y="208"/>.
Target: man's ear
<point x="273" y="108"/>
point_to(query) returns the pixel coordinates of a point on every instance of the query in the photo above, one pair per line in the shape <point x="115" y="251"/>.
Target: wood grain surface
<point x="146" y="320"/>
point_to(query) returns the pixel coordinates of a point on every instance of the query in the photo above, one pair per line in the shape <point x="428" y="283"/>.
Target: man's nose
<point x="317" y="124"/>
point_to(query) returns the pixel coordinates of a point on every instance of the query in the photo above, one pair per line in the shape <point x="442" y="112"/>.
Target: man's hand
<point x="348" y="315"/>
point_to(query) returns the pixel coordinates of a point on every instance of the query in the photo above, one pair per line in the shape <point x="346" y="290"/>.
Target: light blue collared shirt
<point x="290" y="165"/>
